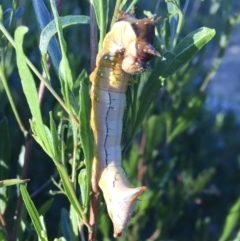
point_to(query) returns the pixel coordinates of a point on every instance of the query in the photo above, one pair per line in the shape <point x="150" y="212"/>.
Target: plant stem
<point x="75" y="145"/>
<point x="94" y="201"/>
<point x="93" y="37"/>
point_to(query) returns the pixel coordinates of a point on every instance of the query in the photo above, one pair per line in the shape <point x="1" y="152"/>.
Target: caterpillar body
<point x="126" y="50"/>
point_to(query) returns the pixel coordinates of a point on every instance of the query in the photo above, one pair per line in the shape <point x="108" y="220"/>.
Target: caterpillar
<point x="126" y="50"/>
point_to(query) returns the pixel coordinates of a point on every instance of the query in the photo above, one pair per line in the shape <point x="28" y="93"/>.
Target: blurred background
<point x="188" y="150"/>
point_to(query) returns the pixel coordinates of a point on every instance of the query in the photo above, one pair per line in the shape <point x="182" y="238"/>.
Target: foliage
<point x="170" y="142"/>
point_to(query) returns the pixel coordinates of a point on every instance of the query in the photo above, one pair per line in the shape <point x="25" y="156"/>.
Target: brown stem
<point x="93" y="37"/>
<point x="94" y="202"/>
<point x="47" y="183"/>
<point x="93" y="214"/>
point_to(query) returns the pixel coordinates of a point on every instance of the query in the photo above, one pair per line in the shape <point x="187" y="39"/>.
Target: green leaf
<point x="70" y="191"/>
<point x="86" y="134"/>
<point x="74" y="224"/>
<point x="55" y="139"/>
<point x="154" y="128"/>
<point x="183" y="52"/>
<point x="46" y="147"/>
<point x="30" y="91"/>
<point x="173" y="18"/>
<point x="231" y="221"/>
<point x="45" y="207"/>
<point x="185" y="119"/>
<point x="50" y="30"/>
<point x="43" y="18"/>
<point x="101" y="8"/>
<point x="188" y="47"/>
<point x="28" y="83"/>
<point x="201" y="181"/>
<point x="65" y="73"/>
<point x="82" y="181"/>
<point x="10" y="182"/>
<point x="42" y="235"/>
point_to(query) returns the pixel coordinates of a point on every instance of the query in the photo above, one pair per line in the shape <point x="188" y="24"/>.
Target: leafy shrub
<point x="170" y="143"/>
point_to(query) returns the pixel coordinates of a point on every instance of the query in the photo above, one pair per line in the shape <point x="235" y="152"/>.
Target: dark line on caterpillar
<point x="107" y="135"/>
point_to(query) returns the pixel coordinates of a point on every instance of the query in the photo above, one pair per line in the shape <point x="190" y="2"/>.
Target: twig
<point x="93" y="212"/>
<point x="93" y="36"/>
<point x="48" y="182"/>
<point x="94" y="202"/>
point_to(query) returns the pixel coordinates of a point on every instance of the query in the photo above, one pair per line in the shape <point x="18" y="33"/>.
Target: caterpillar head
<point x="138" y="36"/>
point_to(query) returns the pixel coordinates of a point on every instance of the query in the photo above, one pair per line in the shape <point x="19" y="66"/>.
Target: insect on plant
<point x="94" y="113"/>
<point x="126" y="50"/>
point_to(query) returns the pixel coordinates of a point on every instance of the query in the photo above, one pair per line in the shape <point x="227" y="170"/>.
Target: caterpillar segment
<point x="126" y="50"/>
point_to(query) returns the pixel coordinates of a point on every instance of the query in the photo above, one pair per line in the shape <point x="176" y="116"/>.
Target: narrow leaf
<point x="101" y="8"/>
<point x="185" y="119"/>
<point x="65" y="73"/>
<point x="173" y="19"/>
<point x="86" y="134"/>
<point x="74" y="224"/>
<point x="188" y="47"/>
<point x="82" y="181"/>
<point x="10" y="182"/>
<point x="29" y="88"/>
<point x="70" y="191"/>
<point x="33" y="214"/>
<point x="28" y="83"/>
<point x="50" y="30"/>
<point x="231" y="221"/>
<point x="45" y="207"/>
<point x="55" y="139"/>
<point x="43" y="18"/>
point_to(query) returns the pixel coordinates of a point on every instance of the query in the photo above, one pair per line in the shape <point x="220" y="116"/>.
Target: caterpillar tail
<point x="120" y="198"/>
